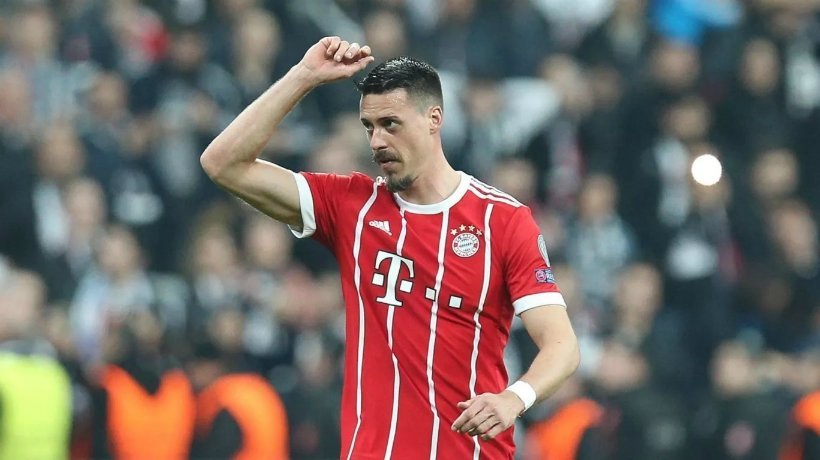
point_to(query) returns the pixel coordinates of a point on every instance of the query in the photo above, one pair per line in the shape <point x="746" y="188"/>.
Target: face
<point x="402" y="135"/>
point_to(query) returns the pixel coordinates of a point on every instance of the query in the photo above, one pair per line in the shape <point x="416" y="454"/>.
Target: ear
<point x="435" y="117"/>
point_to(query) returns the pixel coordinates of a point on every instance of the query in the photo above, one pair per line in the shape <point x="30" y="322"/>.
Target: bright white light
<point x="706" y="169"/>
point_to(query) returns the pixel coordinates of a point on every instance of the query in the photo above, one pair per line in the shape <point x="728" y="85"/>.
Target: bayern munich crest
<point x="466" y="241"/>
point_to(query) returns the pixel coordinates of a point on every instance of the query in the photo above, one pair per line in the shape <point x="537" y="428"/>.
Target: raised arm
<point x="231" y="160"/>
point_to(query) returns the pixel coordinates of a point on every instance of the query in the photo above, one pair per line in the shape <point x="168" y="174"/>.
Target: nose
<point x="377" y="141"/>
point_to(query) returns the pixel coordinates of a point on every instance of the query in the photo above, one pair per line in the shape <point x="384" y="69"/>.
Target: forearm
<point x="557" y="359"/>
<point x="242" y="141"/>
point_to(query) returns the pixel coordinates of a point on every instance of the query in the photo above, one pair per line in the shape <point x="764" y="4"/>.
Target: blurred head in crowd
<point x="621" y="368"/>
<point x="596" y="203"/>
<point x="33" y="33"/>
<point x="458" y="11"/>
<point x="516" y="176"/>
<point x="16" y="109"/>
<point x="233" y="9"/>
<point x="86" y="208"/>
<point x="384" y="31"/>
<point x="675" y="67"/>
<point x="759" y="72"/>
<point x="108" y="98"/>
<point x="188" y="49"/>
<point x="638" y="297"/>
<point x="137" y="339"/>
<point x="774" y="175"/>
<point x="629" y="10"/>
<point x="119" y="254"/>
<point x="734" y="370"/>
<point x="22" y="297"/>
<point x="402" y="110"/>
<point x="214" y="251"/>
<point x="687" y="120"/>
<point x="226" y="330"/>
<point x="606" y="84"/>
<point x="795" y="233"/>
<point x="333" y="156"/>
<point x="206" y="365"/>
<point x="256" y="42"/>
<point x="60" y="154"/>
<point x="267" y="244"/>
<point x="566" y="77"/>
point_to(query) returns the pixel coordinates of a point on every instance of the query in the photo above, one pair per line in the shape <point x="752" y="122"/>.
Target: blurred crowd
<point x="697" y="307"/>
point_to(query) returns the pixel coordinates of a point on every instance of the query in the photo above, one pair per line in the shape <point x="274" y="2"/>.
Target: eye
<point x="391" y="124"/>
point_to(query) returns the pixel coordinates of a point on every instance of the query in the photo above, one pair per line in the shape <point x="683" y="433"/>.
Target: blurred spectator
<point x="803" y="440"/>
<point x="35" y="390"/>
<point x="239" y="414"/>
<point x="742" y="419"/>
<point x="570" y="431"/>
<point x="649" y="421"/>
<point x="600" y="244"/>
<point x="144" y="406"/>
<point x="115" y="287"/>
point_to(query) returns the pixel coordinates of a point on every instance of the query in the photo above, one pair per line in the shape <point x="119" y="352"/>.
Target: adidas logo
<point x="382" y="225"/>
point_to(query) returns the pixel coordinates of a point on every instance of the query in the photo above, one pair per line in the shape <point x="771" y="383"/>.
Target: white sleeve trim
<point x="538" y="300"/>
<point x="306" y="207"/>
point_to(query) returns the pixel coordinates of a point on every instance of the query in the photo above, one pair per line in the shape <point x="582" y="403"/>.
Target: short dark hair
<point x="416" y="77"/>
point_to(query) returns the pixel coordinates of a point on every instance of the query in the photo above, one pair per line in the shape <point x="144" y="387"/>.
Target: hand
<point x="334" y="59"/>
<point x="488" y="414"/>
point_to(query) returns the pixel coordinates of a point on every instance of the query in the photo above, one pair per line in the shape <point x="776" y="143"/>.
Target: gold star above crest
<point x="453" y="231"/>
<point x="478" y="232"/>
<point x="462" y="228"/>
<point x="471" y="227"/>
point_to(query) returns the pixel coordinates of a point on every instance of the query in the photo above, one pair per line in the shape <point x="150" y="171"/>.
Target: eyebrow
<point x="380" y="119"/>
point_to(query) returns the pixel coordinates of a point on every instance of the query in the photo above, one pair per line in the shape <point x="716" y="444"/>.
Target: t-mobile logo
<point x="393" y="274"/>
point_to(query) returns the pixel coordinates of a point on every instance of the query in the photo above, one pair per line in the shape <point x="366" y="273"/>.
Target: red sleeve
<point x="527" y="271"/>
<point x="319" y="200"/>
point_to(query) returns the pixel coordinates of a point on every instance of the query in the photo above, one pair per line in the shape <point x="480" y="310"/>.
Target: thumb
<point x="464" y="404"/>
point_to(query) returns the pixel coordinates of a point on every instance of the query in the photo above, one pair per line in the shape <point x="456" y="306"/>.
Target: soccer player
<point x="434" y="264"/>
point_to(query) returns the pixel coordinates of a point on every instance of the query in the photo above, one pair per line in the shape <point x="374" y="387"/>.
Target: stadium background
<point x="697" y="307"/>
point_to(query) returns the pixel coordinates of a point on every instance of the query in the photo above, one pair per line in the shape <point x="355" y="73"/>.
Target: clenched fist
<point x="333" y="59"/>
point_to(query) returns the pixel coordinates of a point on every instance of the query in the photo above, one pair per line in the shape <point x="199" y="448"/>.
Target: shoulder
<point x="505" y="206"/>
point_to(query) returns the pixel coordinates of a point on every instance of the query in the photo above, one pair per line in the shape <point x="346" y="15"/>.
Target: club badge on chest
<point x="466" y="242"/>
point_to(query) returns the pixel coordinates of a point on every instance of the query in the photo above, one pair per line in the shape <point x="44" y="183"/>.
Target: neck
<point x="435" y="182"/>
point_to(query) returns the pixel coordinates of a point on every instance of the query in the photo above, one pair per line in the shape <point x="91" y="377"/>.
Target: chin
<point x="399" y="184"/>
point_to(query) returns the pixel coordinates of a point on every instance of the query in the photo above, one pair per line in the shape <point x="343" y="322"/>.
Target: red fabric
<point x="385" y="255"/>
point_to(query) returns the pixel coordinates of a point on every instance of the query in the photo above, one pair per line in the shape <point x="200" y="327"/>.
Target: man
<point x="433" y="262"/>
<point x="239" y="414"/>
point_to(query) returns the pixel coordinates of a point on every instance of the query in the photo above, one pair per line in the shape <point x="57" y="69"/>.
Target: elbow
<point x="211" y="165"/>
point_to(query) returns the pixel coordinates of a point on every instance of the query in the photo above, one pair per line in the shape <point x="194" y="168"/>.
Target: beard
<point x="399" y="184"/>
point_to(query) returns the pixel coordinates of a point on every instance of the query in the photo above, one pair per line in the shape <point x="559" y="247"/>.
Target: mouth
<point x="386" y="162"/>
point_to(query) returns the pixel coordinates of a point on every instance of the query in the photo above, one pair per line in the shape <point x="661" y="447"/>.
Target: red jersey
<point x="430" y="292"/>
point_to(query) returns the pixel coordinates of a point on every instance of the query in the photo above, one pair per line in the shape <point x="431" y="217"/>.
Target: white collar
<point x="441" y="206"/>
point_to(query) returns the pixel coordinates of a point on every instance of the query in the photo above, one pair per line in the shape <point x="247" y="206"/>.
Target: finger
<point x="493" y="432"/>
<point x="465" y="404"/>
<point x="365" y="51"/>
<point x="352" y="51"/>
<point x="364" y="63"/>
<point x="465" y="417"/>
<point x="343" y="46"/>
<point x="485" y="426"/>
<point x="332" y="45"/>
<point x="470" y="425"/>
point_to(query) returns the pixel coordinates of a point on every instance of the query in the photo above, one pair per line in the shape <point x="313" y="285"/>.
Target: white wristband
<point x="525" y="392"/>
